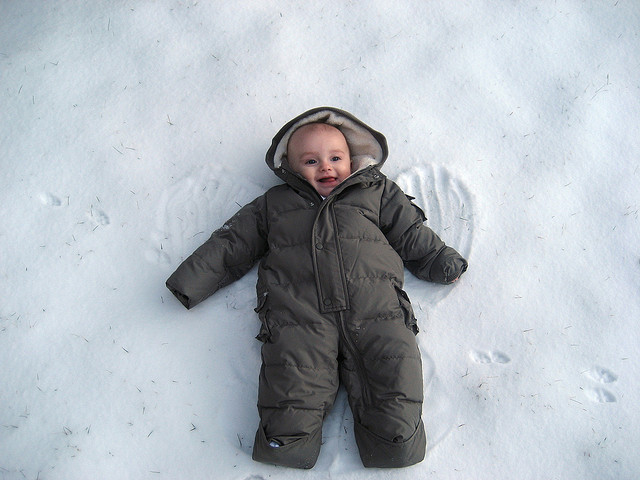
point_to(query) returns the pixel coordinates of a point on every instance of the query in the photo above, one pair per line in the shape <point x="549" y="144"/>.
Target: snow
<point x="131" y="130"/>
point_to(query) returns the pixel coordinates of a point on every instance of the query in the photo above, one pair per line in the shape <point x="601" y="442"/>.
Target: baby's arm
<point x="423" y="252"/>
<point x="229" y="253"/>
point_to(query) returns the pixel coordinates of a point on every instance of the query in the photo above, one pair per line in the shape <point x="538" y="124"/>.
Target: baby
<point x="333" y="242"/>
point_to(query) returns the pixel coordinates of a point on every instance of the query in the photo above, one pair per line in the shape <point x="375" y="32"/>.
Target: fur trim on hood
<point x="366" y="146"/>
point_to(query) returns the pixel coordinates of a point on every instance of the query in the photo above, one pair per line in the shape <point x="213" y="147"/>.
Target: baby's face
<point x="319" y="152"/>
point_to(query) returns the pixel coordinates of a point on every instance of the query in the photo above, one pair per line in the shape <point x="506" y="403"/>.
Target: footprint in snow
<point x="448" y="207"/>
<point x="98" y="217"/>
<point x="495" y="356"/>
<point x="50" y="199"/>
<point x="599" y="394"/>
<point x="499" y="357"/>
<point x="601" y="375"/>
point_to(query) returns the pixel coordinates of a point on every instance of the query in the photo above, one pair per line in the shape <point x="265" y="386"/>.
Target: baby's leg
<point x="384" y="381"/>
<point x="298" y="385"/>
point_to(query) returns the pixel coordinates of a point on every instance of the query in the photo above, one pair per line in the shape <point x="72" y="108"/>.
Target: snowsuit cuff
<point x="447" y="266"/>
<point x="300" y="453"/>
<point x="377" y="452"/>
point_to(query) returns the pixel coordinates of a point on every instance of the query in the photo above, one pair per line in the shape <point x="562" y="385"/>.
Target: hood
<point x="366" y="146"/>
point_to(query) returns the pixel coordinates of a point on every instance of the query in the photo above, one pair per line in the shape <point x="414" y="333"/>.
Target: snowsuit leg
<point x="298" y="385"/>
<point x="384" y="383"/>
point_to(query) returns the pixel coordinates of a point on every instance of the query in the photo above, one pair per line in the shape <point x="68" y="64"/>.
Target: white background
<point x="131" y="130"/>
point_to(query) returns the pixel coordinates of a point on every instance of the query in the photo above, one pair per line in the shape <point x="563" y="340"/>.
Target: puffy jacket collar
<point x="365" y="177"/>
<point x="367" y="147"/>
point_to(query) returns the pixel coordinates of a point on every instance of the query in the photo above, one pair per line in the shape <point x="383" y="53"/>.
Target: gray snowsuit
<point x="330" y="300"/>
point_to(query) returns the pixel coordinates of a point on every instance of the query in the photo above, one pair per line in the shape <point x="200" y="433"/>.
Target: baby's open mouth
<point x="327" y="179"/>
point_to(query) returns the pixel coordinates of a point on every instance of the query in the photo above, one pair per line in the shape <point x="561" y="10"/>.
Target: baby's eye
<point x="311" y="161"/>
<point x="335" y="159"/>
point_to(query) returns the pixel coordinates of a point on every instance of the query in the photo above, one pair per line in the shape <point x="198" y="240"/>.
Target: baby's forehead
<point x="314" y="129"/>
<point x="306" y="132"/>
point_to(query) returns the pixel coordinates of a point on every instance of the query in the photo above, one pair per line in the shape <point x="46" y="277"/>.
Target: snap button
<point x="319" y="246"/>
<point x="327" y="301"/>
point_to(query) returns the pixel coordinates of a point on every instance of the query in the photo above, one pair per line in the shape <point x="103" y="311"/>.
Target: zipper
<point x="340" y="287"/>
<point x="357" y="358"/>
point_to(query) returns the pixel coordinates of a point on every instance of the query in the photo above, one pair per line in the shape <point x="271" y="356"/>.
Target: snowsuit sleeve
<point x="226" y="256"/>
<point x="423" y="252"/>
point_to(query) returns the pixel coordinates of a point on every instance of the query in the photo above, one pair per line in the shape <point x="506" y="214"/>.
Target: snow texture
<point x="131" y="130"/>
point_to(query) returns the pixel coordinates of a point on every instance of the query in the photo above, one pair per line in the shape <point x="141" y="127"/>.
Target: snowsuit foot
<point x="379" y="452"/>
<point x="299" y="452"/>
